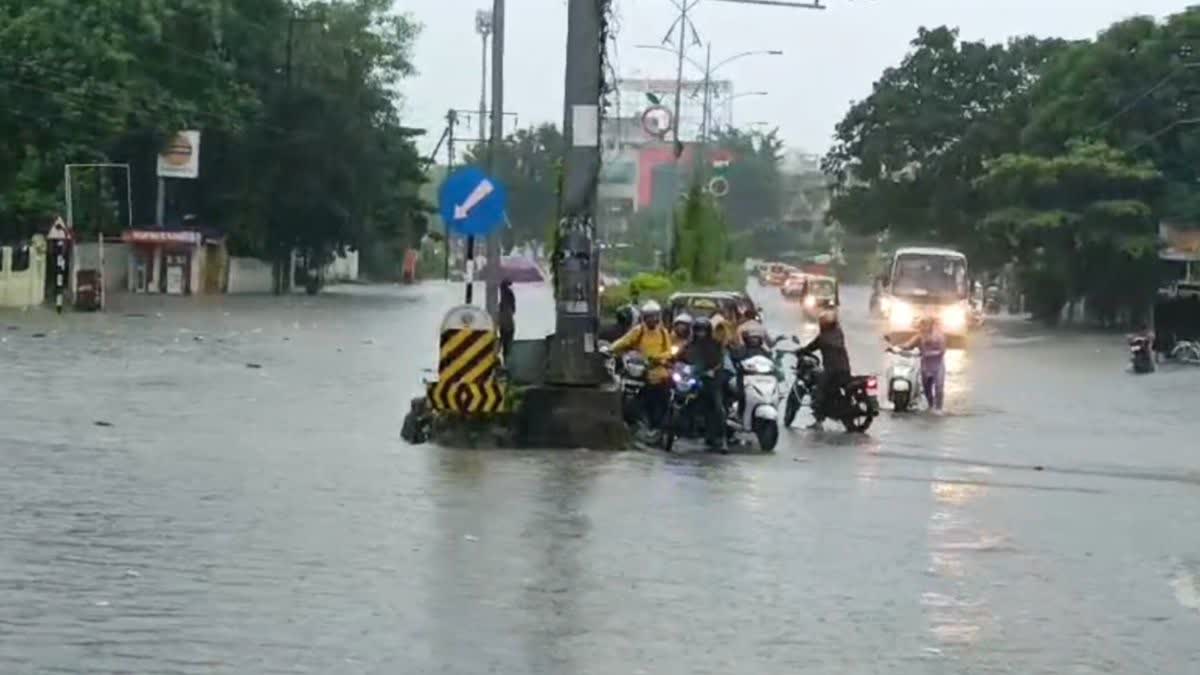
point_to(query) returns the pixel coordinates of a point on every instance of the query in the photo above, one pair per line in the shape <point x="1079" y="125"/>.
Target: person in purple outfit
<point x="930" y="341"/>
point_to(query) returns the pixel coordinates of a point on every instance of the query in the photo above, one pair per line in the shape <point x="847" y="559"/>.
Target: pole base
<point x="572" y="417"/>
<point x="570" y="364"/>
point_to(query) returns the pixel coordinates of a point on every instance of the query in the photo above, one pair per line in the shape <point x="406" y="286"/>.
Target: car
<point x="705" y="304"/>
<point x="793" y="288"/>
<point x="775" y="274"/>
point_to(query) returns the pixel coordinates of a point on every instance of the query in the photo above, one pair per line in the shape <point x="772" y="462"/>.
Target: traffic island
<point x="528" y="412"/>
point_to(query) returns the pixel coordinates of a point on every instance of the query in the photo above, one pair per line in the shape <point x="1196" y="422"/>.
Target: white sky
<point x="831" y="57"/>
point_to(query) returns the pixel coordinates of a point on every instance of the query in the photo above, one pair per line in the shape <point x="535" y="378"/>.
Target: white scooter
<point x="762" y="393"/>
<point x="904" y="379"/>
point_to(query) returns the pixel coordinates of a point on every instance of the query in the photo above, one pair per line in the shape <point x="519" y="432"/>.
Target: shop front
<point x="164" y="261"/>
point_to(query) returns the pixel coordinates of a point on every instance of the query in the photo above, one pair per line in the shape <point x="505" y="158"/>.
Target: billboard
<point x="181" y="157"/>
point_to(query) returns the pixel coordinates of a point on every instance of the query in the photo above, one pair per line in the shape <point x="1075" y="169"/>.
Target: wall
<point x="25" y="288"/>
<point x="250" y="275"/>
<point x="116" y="264"/>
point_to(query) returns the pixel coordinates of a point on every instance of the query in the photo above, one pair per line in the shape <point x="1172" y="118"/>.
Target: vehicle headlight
<point x="901" y="314"/>
<point x="810" y="302"/>
<point x="954" y="319"/>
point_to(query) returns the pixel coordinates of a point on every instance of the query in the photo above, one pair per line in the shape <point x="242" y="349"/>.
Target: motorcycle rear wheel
<point x="859" y="419"/>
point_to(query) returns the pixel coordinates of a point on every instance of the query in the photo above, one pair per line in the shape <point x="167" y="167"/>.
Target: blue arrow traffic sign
<point x="471" y="203"/>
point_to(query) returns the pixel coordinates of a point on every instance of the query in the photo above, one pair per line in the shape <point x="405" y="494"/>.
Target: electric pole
<point x="492" y="285"/>
<point x="451" y="122"/>
<point x="573" y="359"/>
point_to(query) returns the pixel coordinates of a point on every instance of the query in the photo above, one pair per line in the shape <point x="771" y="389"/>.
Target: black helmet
<point x="702" y="326"/>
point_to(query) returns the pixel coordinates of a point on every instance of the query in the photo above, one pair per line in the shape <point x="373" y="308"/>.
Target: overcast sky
<point x="831" y="57"/>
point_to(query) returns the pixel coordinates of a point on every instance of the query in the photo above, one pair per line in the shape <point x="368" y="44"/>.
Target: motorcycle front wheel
<point x="793" y="407"/>
<point x="668" y="431"/>
<point x="901" y="401"/>
<point x="767" y="432"/>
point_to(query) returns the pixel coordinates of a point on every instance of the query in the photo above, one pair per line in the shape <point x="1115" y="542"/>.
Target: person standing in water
<point x="507" y="315"/>
<point x="930" y="341"/>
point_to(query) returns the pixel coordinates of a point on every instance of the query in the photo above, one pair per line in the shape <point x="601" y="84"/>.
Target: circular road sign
<point x="657" y="120"/>
<point x="718" y="186"/>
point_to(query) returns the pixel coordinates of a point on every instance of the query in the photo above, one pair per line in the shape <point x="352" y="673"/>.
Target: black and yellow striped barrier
<point x="468" y="357"/>
<point x="468" y="398"/>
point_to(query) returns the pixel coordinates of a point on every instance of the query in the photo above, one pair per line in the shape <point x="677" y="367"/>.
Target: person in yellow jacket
<point x="653" y="340"/>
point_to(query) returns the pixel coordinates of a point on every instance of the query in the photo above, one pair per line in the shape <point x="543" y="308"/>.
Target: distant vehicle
<point x="703" y="304"/>
<point x="776" y="273"/>
<point x="793" y="287"/>
<point x="926" y="282"/>
<point x="819" y="294"/>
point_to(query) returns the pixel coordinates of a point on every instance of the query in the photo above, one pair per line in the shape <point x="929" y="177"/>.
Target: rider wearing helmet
<point x="835" y="362"/>
<point x="707" y="354"/>
<point x="681" y="330"/>
<point x="753" y="342"/>
<point x="653" y="340"/>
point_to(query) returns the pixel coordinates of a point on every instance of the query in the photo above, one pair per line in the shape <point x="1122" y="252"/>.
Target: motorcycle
<point x="684" y="417"/>
<point x="760" y="392"/>
<point x="991" y="300"/>
<point x="808" y="368"/>
<point x="904" y="380"/>
<point x="854" y="403"/>
<point x="1141" y="354"/>
<point x="631" y="370"/>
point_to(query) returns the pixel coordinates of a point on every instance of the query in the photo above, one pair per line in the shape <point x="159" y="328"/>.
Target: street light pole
<point x="492" y="283"/>
<point x="483" y="26"/>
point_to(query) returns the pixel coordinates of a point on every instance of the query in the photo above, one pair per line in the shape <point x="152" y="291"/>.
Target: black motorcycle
<point x="631" y="369"/>
<point x="685" y="415"/>
<point x="855" y="403"/>
<point x="1141" y="354"/>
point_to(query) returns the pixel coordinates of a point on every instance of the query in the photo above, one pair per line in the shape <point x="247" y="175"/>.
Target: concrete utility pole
<point x="573" y="359"/>
<point x="451" y="122"/>
<point x="497" y="137"/>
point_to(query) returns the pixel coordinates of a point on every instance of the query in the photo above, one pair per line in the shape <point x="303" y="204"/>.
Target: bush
<point x="648" y="287"/>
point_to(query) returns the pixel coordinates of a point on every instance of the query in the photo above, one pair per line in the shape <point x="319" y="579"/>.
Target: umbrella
<point x="520" y="269"/>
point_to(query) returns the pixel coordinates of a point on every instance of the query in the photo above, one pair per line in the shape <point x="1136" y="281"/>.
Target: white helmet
<point x="651" y="307"/>
<point x="682" y="317"/>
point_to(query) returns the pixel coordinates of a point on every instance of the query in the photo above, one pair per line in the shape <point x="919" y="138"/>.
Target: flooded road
<point x="220" y="488"/>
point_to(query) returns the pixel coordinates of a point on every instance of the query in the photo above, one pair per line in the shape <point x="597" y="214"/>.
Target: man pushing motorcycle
<point x="835" y="363"/>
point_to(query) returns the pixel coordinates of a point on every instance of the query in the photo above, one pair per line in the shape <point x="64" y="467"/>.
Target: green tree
<point x="302" y="141"/>
<point x="755" y="197"/>
<point x="1134" y="87"/>
<point x="904" y="157"/>
<point x="700" y="238"/>
<point x="1081" y="223"/>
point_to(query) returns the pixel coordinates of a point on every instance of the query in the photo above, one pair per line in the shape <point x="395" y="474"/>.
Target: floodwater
<point x="196" y="486"/>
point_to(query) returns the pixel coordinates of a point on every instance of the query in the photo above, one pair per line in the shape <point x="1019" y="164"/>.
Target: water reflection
<point x="557" y="532"/>
<point x="955" y="618"/>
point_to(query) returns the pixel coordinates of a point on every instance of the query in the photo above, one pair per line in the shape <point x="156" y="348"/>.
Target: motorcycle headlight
<point x="901" y="314"/>
<point x="954" y="319"/>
